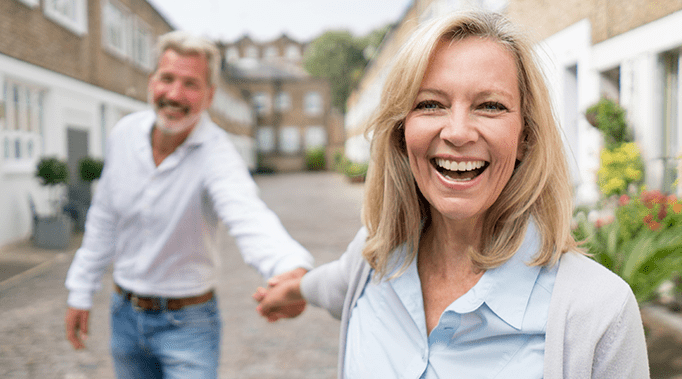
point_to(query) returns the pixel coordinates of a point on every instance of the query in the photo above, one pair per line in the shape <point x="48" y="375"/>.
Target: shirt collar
<point x="200" y="133"/>
<point x="506" y="289"/>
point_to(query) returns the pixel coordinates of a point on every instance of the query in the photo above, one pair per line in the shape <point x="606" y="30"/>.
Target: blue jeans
<point x="165" y="344"/>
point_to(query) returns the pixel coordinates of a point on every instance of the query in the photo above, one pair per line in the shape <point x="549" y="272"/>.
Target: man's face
<point x="179" y="91"/>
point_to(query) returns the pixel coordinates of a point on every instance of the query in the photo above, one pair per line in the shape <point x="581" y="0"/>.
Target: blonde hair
<point x="395" y="211"/>
<point x="186" y="44"/>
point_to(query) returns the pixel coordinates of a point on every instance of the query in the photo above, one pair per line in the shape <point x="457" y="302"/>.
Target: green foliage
<point x="620" y="167"/>
<point x="607" y="116"/>
<point x="52" y="171"/>
<point x="621" y="161"/>
<point x="337" y="56"/>
<point x="641" y="243"/>
<point x="90" y="168"/>
<point x="354" y="171"/>
<point x="315" y="159"/>
<point x="371" y="42"/>
<point x="341" y="57"/>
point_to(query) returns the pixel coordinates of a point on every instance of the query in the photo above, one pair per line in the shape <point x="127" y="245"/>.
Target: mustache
<point x="163" y="102"/>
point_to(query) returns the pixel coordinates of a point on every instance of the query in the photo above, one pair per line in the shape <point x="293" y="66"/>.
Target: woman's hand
<point x="282" y="298"/>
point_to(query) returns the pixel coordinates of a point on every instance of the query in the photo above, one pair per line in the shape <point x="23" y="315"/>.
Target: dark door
<point x="79" y="191"/>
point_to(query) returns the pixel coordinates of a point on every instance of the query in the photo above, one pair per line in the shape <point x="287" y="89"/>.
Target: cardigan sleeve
<point x="326" y="285"/>
<point x="594" y="327"/>
<point x="621" y="352"/>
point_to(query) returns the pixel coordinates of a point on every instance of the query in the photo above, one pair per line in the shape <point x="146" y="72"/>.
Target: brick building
<point x="69" y="70"/>
<point x="292" y="109"/>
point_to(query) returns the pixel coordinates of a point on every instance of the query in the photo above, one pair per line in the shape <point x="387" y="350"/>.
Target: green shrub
<point x="620" y="167"/>
<point x="609" y="117"/>
<point x="641" y="243"/>
<point x="316" y="159"/>
<point x="90" y="168"/>
<point x="52" y="171"/>
<point x="355" y="170"/>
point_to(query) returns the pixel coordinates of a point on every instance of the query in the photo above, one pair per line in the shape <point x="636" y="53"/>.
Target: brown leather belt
<point x="151" y="303"/>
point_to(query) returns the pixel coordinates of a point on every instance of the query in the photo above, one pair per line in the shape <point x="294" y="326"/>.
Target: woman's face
<point x="465" y="126"/>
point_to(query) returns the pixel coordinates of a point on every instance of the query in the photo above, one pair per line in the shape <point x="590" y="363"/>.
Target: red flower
<point x="623" y="200"/>
<point x="649" y="198"/>
<point x="662" y="212"/>
<point x="648" y="219"/>
<point x="654" y="226"/>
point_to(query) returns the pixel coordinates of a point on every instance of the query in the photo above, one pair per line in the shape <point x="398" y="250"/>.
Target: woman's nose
<point x="458" y="128"/>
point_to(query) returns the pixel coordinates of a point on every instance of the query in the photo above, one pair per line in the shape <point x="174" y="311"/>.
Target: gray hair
<point x="186" y="43"/>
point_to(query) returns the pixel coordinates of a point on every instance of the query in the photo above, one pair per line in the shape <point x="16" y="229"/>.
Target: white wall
<point x="68" y="103"/>
<point x="559" y="54"/>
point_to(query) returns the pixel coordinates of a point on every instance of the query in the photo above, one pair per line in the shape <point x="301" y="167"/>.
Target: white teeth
<point x="461" y="166"/>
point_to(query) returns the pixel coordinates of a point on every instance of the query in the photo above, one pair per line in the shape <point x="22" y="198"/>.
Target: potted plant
<point x="53" y="231"/>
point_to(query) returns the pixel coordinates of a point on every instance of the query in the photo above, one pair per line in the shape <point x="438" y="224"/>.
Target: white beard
<point x="176" y="126"/>
<point x="172" y="126"/>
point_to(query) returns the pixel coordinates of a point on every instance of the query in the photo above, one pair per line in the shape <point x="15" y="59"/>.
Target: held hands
<point x="282" y="298"/>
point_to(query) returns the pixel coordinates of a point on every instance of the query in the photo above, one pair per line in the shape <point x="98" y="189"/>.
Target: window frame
<point x="21" y="125"/>
<point x="77" y="22"/>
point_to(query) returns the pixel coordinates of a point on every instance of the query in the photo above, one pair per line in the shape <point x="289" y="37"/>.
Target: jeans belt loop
<point x="134" y="302"/>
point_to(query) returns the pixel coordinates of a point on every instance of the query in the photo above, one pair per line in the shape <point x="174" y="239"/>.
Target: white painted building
<point x="40" y="108"/>
<point x="640" y="68"/>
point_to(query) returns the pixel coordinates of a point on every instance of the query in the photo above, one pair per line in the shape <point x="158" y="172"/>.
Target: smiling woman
<point x="466" y="114"/>
<point x="466" y="263"/>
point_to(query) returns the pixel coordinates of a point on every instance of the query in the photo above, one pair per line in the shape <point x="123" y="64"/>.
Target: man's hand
<point x="77" y="327"/>
<point x="282" y="298"/>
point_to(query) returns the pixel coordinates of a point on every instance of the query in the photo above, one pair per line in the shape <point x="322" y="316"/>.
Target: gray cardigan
<point x="594" y="328"/>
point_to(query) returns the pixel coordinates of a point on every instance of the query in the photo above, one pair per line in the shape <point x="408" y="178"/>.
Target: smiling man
<point x="170" y="176"/>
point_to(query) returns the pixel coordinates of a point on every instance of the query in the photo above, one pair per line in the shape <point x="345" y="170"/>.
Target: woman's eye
<point x="493" y="106"/>
<point x="427" y="105"/>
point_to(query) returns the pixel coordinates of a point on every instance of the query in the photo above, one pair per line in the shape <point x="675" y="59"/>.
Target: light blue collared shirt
<point x="495" y="330"/>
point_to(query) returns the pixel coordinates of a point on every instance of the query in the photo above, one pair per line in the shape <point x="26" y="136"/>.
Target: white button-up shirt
<point x="159" y="224"/>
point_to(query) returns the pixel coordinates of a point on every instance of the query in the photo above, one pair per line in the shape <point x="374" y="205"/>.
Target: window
<point x="232" y="54"/>
<point x="315" y="136"/>
<point x="313" y="103"/>
<point x="283" y="101"/>
<point x="21" y="124"/>
<point x="270" y="52"/>
<point x="266" y="139"/>
<point x="261" y="103"/>
<point x="30" y="3"/>
<point x="115" y="24"/>
<point x="126" y="36"/>
<point x="142" y="45"/>
<point x="252" y="52"/>
<point x="71" y="14"/>
<point x="293" y="52"/>
<point x="670" y="133"/>
<point x="290" y="140"/>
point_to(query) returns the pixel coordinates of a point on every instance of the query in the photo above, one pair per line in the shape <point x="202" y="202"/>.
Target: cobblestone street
<point x="321" y="210"/>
